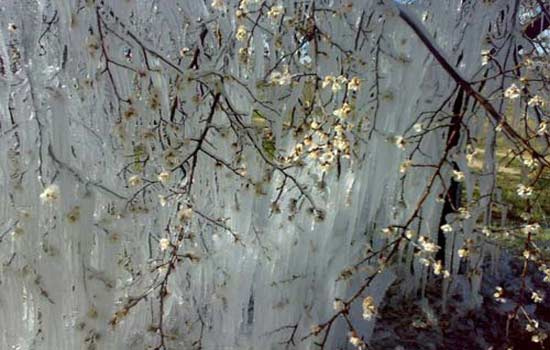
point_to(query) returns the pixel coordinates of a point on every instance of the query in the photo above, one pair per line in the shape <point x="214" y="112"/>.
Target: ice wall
<point x="99" y="97"/>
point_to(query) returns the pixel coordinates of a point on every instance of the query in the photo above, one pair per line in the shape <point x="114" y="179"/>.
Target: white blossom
<point x="275" y="11"/>
<point x="281" y="78"/>
<point x="524" y="191"/>
<point x="438" y="267"/>
<point x="50" y="194"/>
<point x="464" y="213"/>
<point x="338" y="305"/>
<point x="499" y="292"/>
<point x="427" y="245"/>
<point x="242" y="33"/>
<point x="217" y="4"/>
<point x="532" y="326"/>
<point x="164" y="243"/>
<point x="536" y="297"/>
<point x="463" y="252"/>
<point x="369" y="308"/>
<point x="512" y="92"/>
<point x="485" y="57"/>
<point x="354" y="84"/>
<point x="531" y="228"/>
<point x="536" y="101"/>
<point x="185" y="214"/>
<point x="542" y="128"/>
<point x="355" y="340"/>
<point x="399" y="141"/>
<point x="458" y="176"/>
<point x="405" y="166"/>
<point x="134" y="181"/>
<point x="164" y="177"/>
<point x="343" y="112"/>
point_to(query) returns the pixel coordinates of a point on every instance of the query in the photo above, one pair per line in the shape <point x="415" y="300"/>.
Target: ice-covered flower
<point x="427" y="245"/>
<point x="305" y="60"/>
<point x="369" y="308"/>
<point x="50" y="194"/>
<point x="471" y="157"/>
<point x="243" y="5"/>
<point x="275" y="12"/>
<point x="74" y="215"/>
<point x="316" y="329"/>
<point x="275" y="77"/>
<point x="546" y="271"/>
<point x="355" y="340"/>
<point x="464" y="213"/>
<point x="529" y="162"/>
<point x="279" y="78"/>
<point x="354" y="84"/>
<point x="532" y="326"/>
<point x="418" y="127"/>
<point x="438" y="267"/>
<point x="164" y="243"/>
<point x="512" y="92"/>
<point x="217" y="4"/>
<point x="164" y="177"/>
<point x="185" y="214"/>
<point x="405" y="166"/>
<point x="538" y="338"/>
<point x="485" y="57"/>
<point x="242" y="33"/>
<point x="531" y="228"/>
<point x="458" y="176"/>
<point x="447" y="228"/>
<point x="336" y="83"/>
<point x="327" y="81"/>
<point x="343" y="112"/>
<point x="463" y="252"/>
<point x="542" y="128"/>
<point x="339" y="83"/>
<point x="286" y="78"/>
<point x="399" y="141"/>
<point x="524" y="191"/>
<point x="244" y="54"/>
<point x="338" y="305"/>
<point x="424" y="262"/>
<point x="499" y="292"/>
<point x="17" y="231"/>
<point x="536" y="297"/>
<point x="536" y="101"/>
<point x="134" y="181"/>
<point x="389" y="231"/>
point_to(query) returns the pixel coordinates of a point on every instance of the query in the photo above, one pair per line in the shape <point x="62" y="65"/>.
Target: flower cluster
<point x="338" y="83"/>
